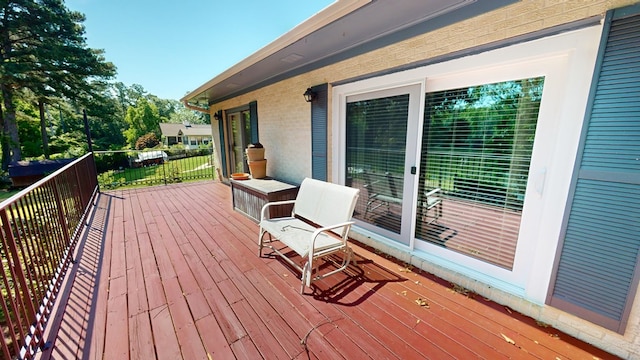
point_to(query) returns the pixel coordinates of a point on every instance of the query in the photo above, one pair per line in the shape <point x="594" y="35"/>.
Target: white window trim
<point x="567" y="61"/>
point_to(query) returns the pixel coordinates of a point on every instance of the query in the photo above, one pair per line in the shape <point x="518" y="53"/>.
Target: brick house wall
<point x="285" y="131"/>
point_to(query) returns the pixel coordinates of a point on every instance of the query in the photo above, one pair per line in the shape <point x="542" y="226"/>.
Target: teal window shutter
<point x="253" y="118"/>
<point x="319" y="132"/>
<point x="223" y="156"/>
<point x="597" y="272"/>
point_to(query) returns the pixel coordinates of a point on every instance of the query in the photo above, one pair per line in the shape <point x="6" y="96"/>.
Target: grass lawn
<point x="191" y="168"/>
<point x="6" y="193"/>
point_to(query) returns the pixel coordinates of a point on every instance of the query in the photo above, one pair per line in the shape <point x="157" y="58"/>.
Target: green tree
<point x="107" y="124"/>
<point x="42" y="48"/>
<point x="127" y="95"/>
<point x="182" y="115"/>
<point x="28" y="126"/>
<point x="142" y="119"/>
<point x="166" y="107"/>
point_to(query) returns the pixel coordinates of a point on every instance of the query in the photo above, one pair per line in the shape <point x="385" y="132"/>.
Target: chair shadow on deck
<point x="337" y="288"/>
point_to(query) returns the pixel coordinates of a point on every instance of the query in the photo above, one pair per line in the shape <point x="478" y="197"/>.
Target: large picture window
<point x="476" y="150"/>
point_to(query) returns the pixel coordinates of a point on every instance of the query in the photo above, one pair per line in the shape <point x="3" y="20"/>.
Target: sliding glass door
<point x="239" y="135"/>
<point x="381" y="135"/>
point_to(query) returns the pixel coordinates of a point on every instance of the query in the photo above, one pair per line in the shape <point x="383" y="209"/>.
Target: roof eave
<point x="326" y="16"/>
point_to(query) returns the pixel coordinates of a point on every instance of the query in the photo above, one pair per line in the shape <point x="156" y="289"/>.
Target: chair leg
<point x="306" y="277"/>
<point x="366" y="209"/>
<point x="260" y="242"/>
<point x="351" y="257"/>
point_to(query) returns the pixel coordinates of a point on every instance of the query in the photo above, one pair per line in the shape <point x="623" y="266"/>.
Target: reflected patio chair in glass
<point x="382" y="190"/>
<point x="431" y="206"/>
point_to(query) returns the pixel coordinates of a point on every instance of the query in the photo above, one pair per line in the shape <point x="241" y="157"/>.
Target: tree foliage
<point x="43" y="49"/>
<point x="184" y="115"/>
<point x="48" y="76"/>
<point x="64" y="127"/>
<point x="143" y="118"/>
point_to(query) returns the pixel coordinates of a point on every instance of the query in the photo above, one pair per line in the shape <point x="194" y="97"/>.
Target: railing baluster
<point x="48" y="224"/>
<point x="61" y="213"/>
<point x="28" y="248"/>
<point x="14" y="312"/>
<point x="40" y="228"/>
<point x="18" y="269"/>
<point x="44" y="250"/>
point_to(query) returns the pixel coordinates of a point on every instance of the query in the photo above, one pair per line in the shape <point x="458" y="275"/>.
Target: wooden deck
<point x="172" y="272"/>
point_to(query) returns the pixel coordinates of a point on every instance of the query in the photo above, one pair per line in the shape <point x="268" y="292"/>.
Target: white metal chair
<point x="318" y="226"/>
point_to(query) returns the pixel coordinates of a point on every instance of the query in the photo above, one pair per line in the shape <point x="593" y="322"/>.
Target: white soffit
<point x="344" y="25"/>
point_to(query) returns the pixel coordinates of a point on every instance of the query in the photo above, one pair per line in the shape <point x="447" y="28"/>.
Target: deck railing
<point x="40" y="228"/>
<point x="134" y="168"/>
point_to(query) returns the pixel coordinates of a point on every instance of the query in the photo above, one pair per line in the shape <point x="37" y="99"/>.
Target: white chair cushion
<point x="296" y="234"/>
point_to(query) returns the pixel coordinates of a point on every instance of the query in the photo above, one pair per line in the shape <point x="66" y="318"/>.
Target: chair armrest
<point x="319" y="231"/>
<point x="432" y="192"/>
<point x="369" y="187"/>
<point x="273" y="203"/>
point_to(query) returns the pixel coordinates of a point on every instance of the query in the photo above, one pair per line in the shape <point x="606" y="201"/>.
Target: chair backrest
<point x="325" y="203"/>
<point x="382" y="184"/>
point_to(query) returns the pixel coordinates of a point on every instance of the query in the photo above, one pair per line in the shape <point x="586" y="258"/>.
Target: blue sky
<point x="171" y="47"/>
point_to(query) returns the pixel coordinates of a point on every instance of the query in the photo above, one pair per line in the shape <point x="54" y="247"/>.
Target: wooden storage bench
<point x="249" y="196"/>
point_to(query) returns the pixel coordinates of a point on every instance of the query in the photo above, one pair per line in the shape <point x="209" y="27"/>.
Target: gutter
<point x="195" y="108"/>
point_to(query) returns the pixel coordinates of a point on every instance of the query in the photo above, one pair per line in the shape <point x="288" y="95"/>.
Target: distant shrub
<point x="111" y="161"/>
<point x="147" y="141"/>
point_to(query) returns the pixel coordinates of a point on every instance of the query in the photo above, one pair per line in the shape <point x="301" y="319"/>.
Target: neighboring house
<point x="189" y="135"/>
<point x="524" y="114"/>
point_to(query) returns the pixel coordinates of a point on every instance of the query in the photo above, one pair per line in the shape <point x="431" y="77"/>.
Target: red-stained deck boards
<point x="176" y="274"/>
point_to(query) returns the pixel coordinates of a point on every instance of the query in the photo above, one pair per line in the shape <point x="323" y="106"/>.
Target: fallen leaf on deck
<point x="418" y="321"/>
<point x="422" y="303"/>
<point x="508" y="339"/>
<point x="405" y="270"/>
<point x="404" y="293"/>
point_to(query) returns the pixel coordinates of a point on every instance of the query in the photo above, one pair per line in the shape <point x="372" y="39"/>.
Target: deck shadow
<point x="336" y="288"/>
<point x="71" y="330"/>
